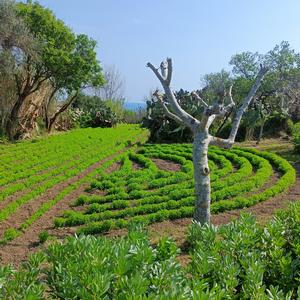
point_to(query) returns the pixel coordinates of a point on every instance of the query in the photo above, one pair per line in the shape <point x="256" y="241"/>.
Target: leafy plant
<point x="43" y="236"/>
<point x="240" y="260"/>
<point x="296" y="137"/>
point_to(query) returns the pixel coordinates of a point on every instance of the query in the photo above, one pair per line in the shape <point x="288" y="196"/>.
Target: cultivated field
<point x="156" y="183"/>
<point x="39" y="177"/>
<point x="102" y="180"/>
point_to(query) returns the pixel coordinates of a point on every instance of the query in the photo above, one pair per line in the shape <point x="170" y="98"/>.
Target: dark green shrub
<point x="296" y="137"/>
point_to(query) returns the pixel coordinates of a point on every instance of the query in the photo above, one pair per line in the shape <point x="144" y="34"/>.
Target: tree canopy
<point x="65" y="62"/>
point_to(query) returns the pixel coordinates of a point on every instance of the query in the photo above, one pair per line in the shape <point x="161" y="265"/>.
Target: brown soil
<point x="114" y="167"/>
<point x="166" y="165"/>
<point x="136" y="166"/>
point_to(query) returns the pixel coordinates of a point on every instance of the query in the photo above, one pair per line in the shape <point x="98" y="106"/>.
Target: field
<point x="95" y="181"/>
<point x="41" y="176"/>
<point x="139" y="191"/>
<point x="108" y="183"/>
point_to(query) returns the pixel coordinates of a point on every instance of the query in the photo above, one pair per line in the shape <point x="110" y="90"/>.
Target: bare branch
<point x="164" y="69"/>
<point x="246" y="102"/>
<point x="155" y="71"/>
<point x="232" y="103"/>
<point x="159" y="97"/>
<point x="170" y="70"/>
<point x="199" y="99"/>
<point x="188" y="120"/>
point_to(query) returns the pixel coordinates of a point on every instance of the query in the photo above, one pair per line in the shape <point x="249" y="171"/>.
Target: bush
<point x="296" y="137"/>
<point x="240" y="260"/>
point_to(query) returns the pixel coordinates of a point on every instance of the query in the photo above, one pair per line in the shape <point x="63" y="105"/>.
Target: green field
<point x="130" y="184"/>
<point x="150" y="194"/>
<point x="30" y="169"/>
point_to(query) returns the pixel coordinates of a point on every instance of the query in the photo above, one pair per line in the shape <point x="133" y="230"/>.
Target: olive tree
<point x="200" y="129"/>
<point x="278" y="93"/>
<point x="66" y="62"/>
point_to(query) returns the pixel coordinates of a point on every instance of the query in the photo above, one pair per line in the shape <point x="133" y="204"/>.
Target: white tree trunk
<point x="202" y="138"/>
<point x="202" y="177"/>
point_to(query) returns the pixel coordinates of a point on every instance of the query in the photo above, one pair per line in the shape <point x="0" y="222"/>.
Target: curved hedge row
<point x="239" y="178"/>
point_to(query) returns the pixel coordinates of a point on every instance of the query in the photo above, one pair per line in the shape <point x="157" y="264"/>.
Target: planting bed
<point x="38" y="174"/>
<point x="152" y="193"/>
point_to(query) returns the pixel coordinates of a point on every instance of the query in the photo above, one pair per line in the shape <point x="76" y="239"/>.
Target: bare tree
<point x="200" y="129"/>
<point x="113" y="89"/>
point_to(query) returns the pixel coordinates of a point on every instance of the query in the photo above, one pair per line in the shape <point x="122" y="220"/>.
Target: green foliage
<point x="43" y="236"/>
<point x="240" y="260"/>
<point x="68" y="60"/>
<point x="164" y="129"/>
<point x="247" y="260"/>
<point x="10" y="234"/>
<point x="151" y="195"/>
<point x="296" y="137"/>
<point x="24" y="284"/>
<point x="289" y="127"/>
<point x="52" y="160"/>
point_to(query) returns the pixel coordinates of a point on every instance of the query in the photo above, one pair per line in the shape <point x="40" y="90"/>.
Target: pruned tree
<point x="200" y="129"/>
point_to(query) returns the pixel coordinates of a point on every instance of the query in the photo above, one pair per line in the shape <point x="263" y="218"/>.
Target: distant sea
<point x="134" y="105"/>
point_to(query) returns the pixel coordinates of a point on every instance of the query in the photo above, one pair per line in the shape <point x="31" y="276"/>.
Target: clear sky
<point x="199" y="35"/>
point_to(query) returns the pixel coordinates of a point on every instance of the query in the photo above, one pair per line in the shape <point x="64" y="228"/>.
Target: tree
<point x="66" y="61"/>
<point x="114" y="86"/>
<point x="81" y="71"/>
<point x="16" y="45"/>
<point x="112" y="92"/>
<point x="278" y="92"/>
<point x="200" y="129"/>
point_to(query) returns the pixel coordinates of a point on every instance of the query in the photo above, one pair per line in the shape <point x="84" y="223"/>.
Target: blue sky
<point x="199" y="35"/>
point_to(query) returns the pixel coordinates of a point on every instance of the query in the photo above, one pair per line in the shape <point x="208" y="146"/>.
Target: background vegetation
<point x="45" y="68"/>
<point x="272" y="113"/>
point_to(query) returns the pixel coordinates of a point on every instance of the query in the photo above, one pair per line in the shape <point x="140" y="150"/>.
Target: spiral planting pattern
<point x="240" y="178"/>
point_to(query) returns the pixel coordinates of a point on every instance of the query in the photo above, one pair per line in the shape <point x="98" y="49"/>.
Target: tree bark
<point x="46" y="108"/>
<point x="261" y="130"/>
<point x="202" y="177"/>
<point x="61" y="110"/>
<point x="12" y="121"/>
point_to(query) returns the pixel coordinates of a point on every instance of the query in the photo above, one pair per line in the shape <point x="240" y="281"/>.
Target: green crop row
<point x="171" y="197"/>
<point x="62" y="161"/>
<point x="64" y="174"/>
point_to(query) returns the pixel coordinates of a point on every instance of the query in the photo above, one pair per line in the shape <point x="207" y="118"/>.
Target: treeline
<point x="273" y="112"/>
<point x="44" y="69"/>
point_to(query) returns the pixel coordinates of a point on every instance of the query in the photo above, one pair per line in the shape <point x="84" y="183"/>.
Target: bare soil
<point x="166" y="165"/>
